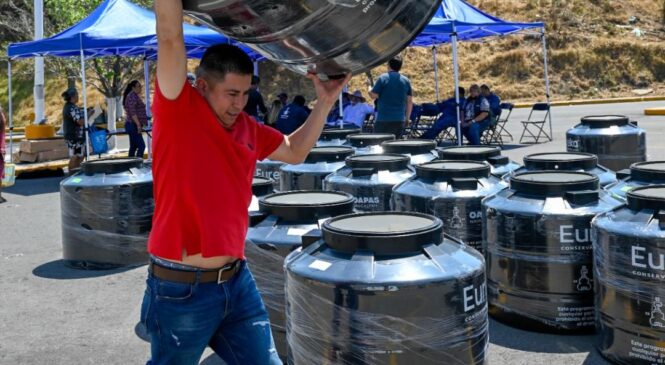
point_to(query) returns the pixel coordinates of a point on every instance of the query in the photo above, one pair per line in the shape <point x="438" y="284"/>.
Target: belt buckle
<point x="222" y="270"/>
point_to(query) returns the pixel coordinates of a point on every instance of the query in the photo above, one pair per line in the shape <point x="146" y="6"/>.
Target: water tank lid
<point x="384" y="233"/>
<point x="306" y="205"/>
<point x="337" y="133"/>
<point x="560" y="161"/>
<point x="547" y="183"/>
<point x="648" y="197"/>
<point x="648" y="171"/>
<point x="329" y="154"/>
<point x="379" y="162"/>
<point x="604" y="121"/>
<point x="409" y="146"/>
<point x="110" y="165"/>
<point x="445" y="170"/>
<point x="261" y="186"/>
<point x="368" y="139"/>
<point x="473" y="153"/>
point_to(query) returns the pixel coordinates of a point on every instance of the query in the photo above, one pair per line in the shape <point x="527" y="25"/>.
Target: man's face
<point x="485" y="92"/>
<point x="475" y="93"/>
<point x="354" y="100"/>
<point x="226" y="97"/>
<point x="283" y="99"/>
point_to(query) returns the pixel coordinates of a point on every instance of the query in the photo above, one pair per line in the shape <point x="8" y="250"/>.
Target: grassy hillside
<point x="594" y="51"/>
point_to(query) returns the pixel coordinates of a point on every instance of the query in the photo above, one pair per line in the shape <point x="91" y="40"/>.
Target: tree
<point x="110" y="74"/>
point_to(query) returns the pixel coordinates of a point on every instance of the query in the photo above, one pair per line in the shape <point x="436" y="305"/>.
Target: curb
<point x="654" y="111"/>
<point x="596" y="101"/>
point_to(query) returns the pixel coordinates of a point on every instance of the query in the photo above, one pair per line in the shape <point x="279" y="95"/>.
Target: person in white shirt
<point x="356" y="112"/>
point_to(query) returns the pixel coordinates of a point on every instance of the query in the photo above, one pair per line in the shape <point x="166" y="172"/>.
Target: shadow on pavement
<point x="595" y="358"/>
<point x="36" y="186"/>
<point x="213" y="360"/>
<point x="505" y="336"/>
<point x="58" y="270"/>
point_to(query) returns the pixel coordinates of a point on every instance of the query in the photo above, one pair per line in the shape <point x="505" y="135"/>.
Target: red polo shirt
<point x="202" y="175"/>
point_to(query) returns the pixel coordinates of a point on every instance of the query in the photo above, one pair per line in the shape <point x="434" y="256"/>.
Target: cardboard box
<point x="27" y="157"/>
<point x="53" y="155"/>
<point x="42" y="145"/>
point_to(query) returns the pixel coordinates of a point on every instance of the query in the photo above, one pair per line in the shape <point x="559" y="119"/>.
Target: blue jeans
<point x="440" y="124"/>
<point x="475" y="130"/>
<point x="182" y="319"/>
<point x="136" y="143"/>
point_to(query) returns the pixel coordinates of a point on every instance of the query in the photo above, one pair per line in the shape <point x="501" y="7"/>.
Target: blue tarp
<point x="469" y="22"/>
<point x="116" y="27"/>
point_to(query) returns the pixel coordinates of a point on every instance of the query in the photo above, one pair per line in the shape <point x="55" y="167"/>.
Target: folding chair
<point x="534" y="126"/>
<point x="368" y="124"/>
<point x="426" y="118"/>
<point x="497" y="131"/>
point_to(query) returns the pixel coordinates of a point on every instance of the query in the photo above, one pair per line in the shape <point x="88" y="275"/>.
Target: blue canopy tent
<point x="114" y="28"/>
<point x="457" y="20"/>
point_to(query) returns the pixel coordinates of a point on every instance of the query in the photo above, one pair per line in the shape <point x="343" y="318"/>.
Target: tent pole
<point x="341" y="107"/>
<point x="146" y="82"/>
<point x="436" y="73"/>
<point x="85" y="104"/>
<point x="547" y="79"/>
<point x="456" y="73"/>
<point x="10" y="110"/>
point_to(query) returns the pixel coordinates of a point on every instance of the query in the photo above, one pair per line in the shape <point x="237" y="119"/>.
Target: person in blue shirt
<point x="448" y="116"/>
<point x="476" y="116"/>
<point x="393" y="94"/>
<point x="493" y="99"/>
<point x="292" y="116"/>
<point x="356" y="112"/>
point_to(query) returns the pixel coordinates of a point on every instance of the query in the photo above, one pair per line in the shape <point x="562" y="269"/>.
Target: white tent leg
<point x="146" y="82"/>
<point x="456" y="73"/>
<point x="85" y="104"/>
<point x="10" y="110"/>
<point x="341" y="107"/>
<point x="436" y="73"/>
<point x="547" y="79"/>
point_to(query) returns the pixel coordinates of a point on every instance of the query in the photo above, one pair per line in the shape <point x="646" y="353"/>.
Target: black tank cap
<point x="409" y="146"/>
<point x="474" y="153"/>
<point x="498" y="160"/>
<point x="306" y="205"/>
<point x="647" y="197"/>
<point x="262" y="186"/>
<point x="552" y="183"/>
<point x="337" y="133"/>
<point x="384" y="233"/>
<point x="379" y="162"/>
<point x="560" y="161"/>
<point x="446" y="170"/>
<point x="648" y="171"/>
<point x="604" y="121"/>
<point x="329" y="154"/>
<point x="111" y="165"/>
<point x="368" y="139"/>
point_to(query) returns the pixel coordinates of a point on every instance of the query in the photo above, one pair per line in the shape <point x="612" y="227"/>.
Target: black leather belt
<point x="218" y="276"/>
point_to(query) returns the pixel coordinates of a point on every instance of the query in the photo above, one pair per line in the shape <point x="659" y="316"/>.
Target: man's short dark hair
<point x="484" y="87"/>
<point x="299" y="100"/>
<point x="395" y="63"/>
<point x="221" y="59"/>
<point x="255" y="80"/>
<point x="461" y="91"/>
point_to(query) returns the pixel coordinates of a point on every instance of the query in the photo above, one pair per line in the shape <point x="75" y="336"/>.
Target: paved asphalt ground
<point x="50" y="314"/>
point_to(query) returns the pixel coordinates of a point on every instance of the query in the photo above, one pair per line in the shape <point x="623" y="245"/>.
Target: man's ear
<point x="201" y="84"/>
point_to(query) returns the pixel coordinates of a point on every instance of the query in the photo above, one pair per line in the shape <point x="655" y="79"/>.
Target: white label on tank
<point x="384" y="174"/>
<point x="297" y="231"/>
<point x="320" y="265"/>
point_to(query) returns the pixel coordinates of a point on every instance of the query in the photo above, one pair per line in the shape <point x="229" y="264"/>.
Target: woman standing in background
<point x="135" y="118"/>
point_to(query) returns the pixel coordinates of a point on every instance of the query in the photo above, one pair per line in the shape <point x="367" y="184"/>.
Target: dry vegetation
<point x="593" y="53"/>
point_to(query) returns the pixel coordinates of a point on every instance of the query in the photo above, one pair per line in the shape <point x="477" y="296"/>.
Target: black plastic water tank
<point x="288" y="216"/>
<point x="260" y="187"/>
<point x="386" y="288"/>
<point x="419" y="150"/>
<point x="370" y="179"/>
<point x="537" y="241"/>
<point x="270" y="170"/>
<point x="321" y="162"/>
<point x="107" y="212"/>
<point x="368" y="143"/>
<point x="328" y="37"/>
<point x="451" y="191"/>
<point x="335" y="136"/>
<point x="501" y="165"/>
<point x="613" y="138"/>
<point x="629" y="251"/>
<point x="567" y="161"/>
<point x="640" y="174"/>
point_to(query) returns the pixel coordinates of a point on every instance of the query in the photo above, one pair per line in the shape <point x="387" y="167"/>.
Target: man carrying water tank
<point x="200" y="291"/>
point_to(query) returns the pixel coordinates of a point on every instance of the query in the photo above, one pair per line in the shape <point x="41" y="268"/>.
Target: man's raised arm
<point x="171" y="55"/>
